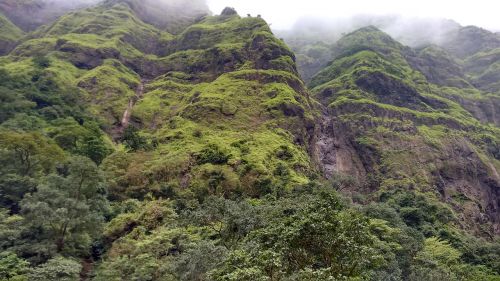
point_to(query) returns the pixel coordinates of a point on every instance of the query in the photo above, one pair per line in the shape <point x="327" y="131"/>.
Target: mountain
<point x="197" y="90"/>
<point x="380" y="112"/>
<point x="310" y="38"/>
<point x="152" y="140"/>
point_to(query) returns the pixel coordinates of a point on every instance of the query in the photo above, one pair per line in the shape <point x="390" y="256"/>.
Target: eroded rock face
<point x="486" y="110"/>
<point x="438" y="67"/>
<point x="391" y="91"/>
<point x="333" y="150"/>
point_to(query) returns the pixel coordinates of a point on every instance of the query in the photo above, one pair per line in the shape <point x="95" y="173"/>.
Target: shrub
<point x="212" y="154"/>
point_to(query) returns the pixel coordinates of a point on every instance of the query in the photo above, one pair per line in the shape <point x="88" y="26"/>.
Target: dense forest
<point x="154" y="141"/>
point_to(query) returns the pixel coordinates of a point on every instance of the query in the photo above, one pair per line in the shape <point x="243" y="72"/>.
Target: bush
<point x="212" y="154"/>
<point x="133" y="140"/>
<point x="12" y="267"/>
<point x="41" y="61"/>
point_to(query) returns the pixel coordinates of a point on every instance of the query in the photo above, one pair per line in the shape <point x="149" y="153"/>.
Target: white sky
<point x="282" y="14"/>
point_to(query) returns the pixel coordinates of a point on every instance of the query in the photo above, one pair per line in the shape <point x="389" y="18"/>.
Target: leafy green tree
<point x="12" y="102"/>
<point x="213" y="154"/>
<point x="12" y="268"/>
<point x="86" y="140"/>
<point x="58" y="268"/>
<point x="341" y="181"/>
<point x="437" y="261"/>
<point x="13" y="187"/>
<point x="229" y="221"/>
<point x="196" y="262"/>
<point x="68" y="208"/>
<point x="315" y="235"/>
<point x="28" y="153"/>
<point x="41" y="61"/>
<point x="10" y="229"/>
<point x="24" y="122"/>
<point x="93" y="147"/>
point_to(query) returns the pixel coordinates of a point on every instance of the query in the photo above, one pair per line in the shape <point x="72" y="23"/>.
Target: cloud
<point x="282" y="14"/>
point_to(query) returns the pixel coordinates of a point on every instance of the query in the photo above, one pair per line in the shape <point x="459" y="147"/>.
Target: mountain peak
<point x="228" y="11"/>
<point x="366" y="38"/>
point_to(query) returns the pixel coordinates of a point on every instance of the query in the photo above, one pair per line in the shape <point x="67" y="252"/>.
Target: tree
<point x="86" y="140"/>
<point x="68" y="207"/>
<point x="10" y="227"/>
<point x="29" y="152"/>
<point x="341" y="181"/>
<point x="12" y="102"/>
<point x="437" y="261"/>
<point x="196" y="262"/>
<point x="313" y="236"/>
<point x="13" y="187"/>
<point x="133" y="140"/>
<point x="12" y="268"/>
<point x="41" y="61"/>
<point x="58" y="268"/>
<point x="229" y="221"/>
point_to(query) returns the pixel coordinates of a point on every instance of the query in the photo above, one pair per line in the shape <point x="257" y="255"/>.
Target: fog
<point x="172" y="13"/>
<point x="283" y="14"/>
<point x="411" y="22"/>
<point x="411" y="31"/>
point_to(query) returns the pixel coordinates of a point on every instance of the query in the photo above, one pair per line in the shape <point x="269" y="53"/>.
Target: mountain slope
<point x="385" y="122"/>
<point x="223" y="85"/>
<point x="31" y="14"/>
<point x="9" y="35"/>
<point x="143" y="142"/>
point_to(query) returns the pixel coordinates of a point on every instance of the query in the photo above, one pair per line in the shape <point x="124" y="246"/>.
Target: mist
<point x="284" y="15"/>
<point x="411" y="31"/>
<point x="171" y="15"/>
<point x="30" y="15"/>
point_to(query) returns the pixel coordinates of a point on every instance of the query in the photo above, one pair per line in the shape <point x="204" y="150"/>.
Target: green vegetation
<point x="131" y="153"/>
<point x="9" y="34"/>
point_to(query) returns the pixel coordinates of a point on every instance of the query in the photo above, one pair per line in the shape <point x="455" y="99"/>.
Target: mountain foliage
<point x="139" y="146"/>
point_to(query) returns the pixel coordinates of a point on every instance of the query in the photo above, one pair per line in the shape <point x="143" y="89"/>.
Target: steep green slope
<point x="224" y="89"/>
<point x="9" y="35"/>
<point x="217" y="110"/>
<point x="400" y="133"/>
